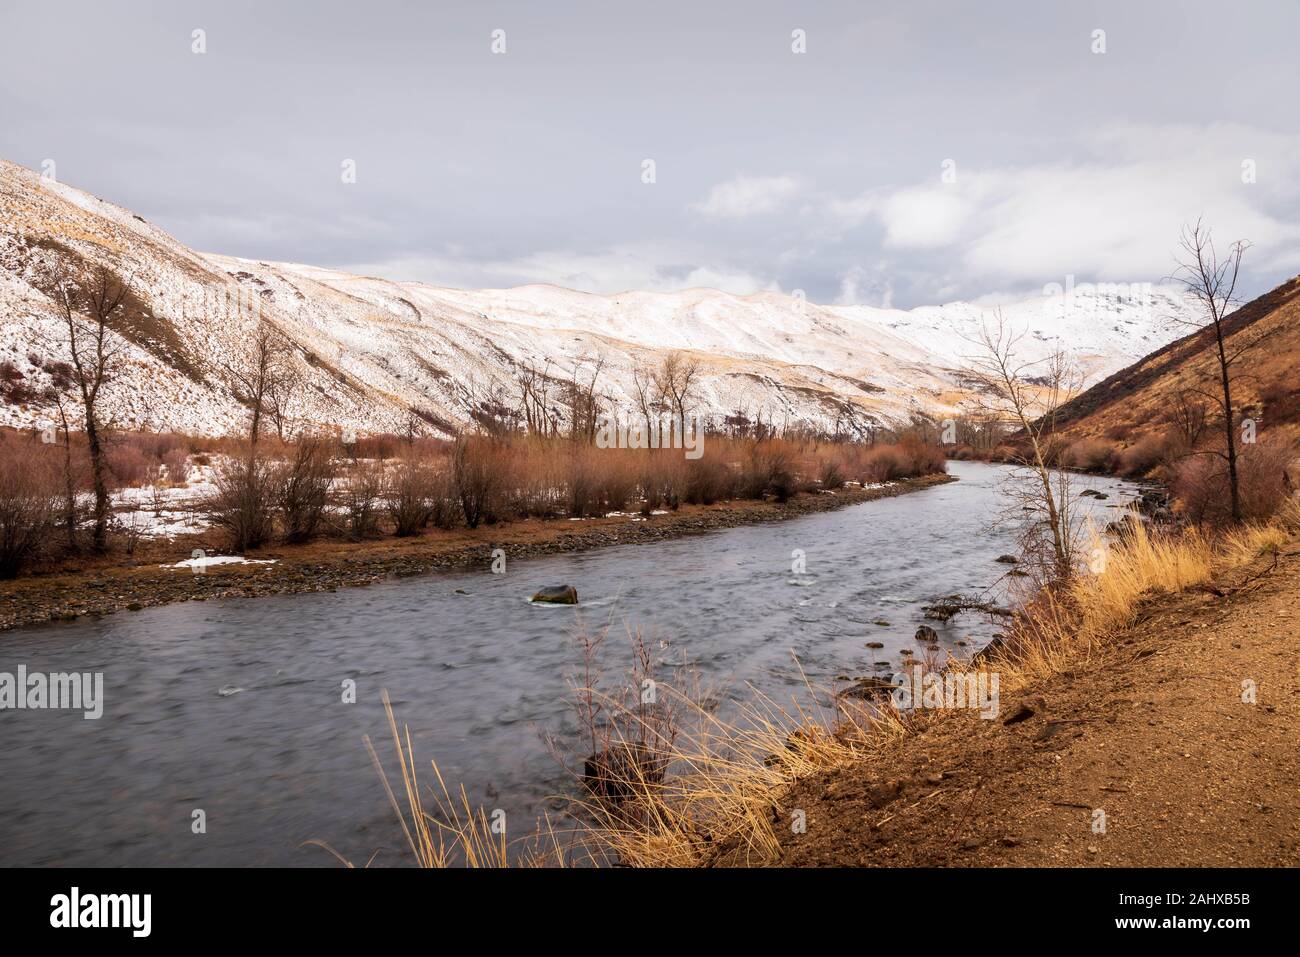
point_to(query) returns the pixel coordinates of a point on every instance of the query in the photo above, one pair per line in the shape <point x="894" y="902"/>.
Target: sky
<point x="886" y="154"/>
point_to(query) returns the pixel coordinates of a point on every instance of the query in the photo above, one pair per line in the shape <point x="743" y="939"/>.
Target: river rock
<point x="1007" y="560"/>
<point x="557" y="595"/>
<point x="869" y="687"/>
<point x="926" y="633"/>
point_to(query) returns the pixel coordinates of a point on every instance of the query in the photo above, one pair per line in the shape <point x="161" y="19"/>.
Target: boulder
<point x="557" y="595"/>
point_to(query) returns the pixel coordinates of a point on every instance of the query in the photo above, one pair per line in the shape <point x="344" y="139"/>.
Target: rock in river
<point x="926" y="633"/>
<point x="557" y="595"/>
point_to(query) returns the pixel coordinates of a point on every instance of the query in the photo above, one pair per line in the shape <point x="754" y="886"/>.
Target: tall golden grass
<point x="448" y="831"/>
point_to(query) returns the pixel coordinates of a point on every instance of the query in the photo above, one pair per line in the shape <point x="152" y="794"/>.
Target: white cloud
<point x="747" y="196"/>
<point x="1110" y="212"/>
<point x="1115" y="213"/>
<point x="925" y="217"/>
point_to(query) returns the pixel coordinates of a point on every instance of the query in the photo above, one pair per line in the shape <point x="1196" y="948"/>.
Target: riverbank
<point x="329" y="565"/>
<point x="1148" y="751"/>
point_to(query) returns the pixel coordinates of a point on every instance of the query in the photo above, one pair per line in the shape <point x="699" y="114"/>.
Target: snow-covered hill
<point x="371" y="350"/>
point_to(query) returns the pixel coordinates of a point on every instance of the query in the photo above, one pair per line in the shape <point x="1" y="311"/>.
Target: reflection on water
<point x="476" y="676"/>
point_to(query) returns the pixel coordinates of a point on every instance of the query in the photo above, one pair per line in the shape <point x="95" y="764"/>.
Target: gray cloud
<point x="819" y="171"/>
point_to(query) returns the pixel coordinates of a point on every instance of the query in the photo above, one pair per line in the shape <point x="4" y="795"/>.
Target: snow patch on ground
<point x="209" y="560"/>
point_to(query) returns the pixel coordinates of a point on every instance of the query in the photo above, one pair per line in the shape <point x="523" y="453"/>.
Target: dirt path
<point x="1153" y="733"/>
<point x="113" y="585"/>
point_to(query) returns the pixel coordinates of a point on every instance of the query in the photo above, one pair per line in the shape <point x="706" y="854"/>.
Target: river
<point x="476" y="676"/>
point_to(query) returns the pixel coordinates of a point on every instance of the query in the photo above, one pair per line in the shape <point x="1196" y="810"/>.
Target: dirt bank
<point x="1152" y="732"/>
<point x="327" y="565"/>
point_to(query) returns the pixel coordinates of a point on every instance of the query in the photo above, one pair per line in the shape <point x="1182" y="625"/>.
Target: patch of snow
<point x="209" y="560"/>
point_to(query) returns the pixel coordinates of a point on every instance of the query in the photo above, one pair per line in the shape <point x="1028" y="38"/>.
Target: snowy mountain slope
<point x="370" y="350"/>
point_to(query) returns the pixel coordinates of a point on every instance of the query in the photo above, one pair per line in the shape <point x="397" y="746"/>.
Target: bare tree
<point x="86" y="308"/>
<point x="1212" y="282"/>
<point x="1026" y="395"/>
<point x="534" y="399"/>
<point x="677" y="379"/>
<point x="263" y="377"/>
<point x="60" y="382"/>
<point x="584" y="404"/>
<point x="649" y="401"/>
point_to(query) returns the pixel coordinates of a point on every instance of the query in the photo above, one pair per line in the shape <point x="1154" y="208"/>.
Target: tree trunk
<point x="1229" y="429"/>
<point x="100" y="541"/>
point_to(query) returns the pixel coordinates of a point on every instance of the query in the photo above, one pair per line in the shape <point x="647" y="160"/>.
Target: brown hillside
<point x="1137" y="400"/>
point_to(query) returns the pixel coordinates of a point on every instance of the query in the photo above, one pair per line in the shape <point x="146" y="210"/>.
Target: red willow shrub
<point x="1201" y="488"/>
<point x="1091" y="455"/>
<point x="302" y="487"/>
<point x="30" y="490"/>
<point x="298" y="490"/>
<point x="242" y="505"/>
<point x="1143" y="455"/>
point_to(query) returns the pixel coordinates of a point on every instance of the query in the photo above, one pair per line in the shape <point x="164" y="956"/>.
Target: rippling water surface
<point x="476" y="677"/>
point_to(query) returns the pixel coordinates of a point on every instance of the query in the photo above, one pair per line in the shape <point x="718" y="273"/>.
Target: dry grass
<point x="725" y="778"/>
<point x="449" y="832"/>
<point x="1063" y="625"/>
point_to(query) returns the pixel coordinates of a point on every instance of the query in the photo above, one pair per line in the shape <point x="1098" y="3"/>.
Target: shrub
<point x="1091" y="455"/>
<point x="831" y="474"/>
<point x="242" y="503"/>
<point x="538" y="479"/>
<point x="661" y="480"/>
<point x="580" y="483"/>
<point x="477" y="473"/>
<point x="410" y="493"/>
<point x="617" y="480"/>
<point x="129" y="465"/>
<point x="1142" y="456"/>
<point x="708" y="480"/>
<point x="767" y="469"/>
<point x="29" y="503"/>
<point x="884" y="463"/>
<point x="176" y="463"/>
<point x="444" y="511"/>
<point x="302" y="488"/>
<point x="361" y="495"/>
<point x="922" y="457"/>
<point x="1200" y="484"/>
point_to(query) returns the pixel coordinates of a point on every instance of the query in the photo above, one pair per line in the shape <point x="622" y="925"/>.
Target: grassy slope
<point x="1139" y="397"/>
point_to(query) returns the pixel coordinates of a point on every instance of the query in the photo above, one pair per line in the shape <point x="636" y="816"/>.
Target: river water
<point x="477" y="677"/>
